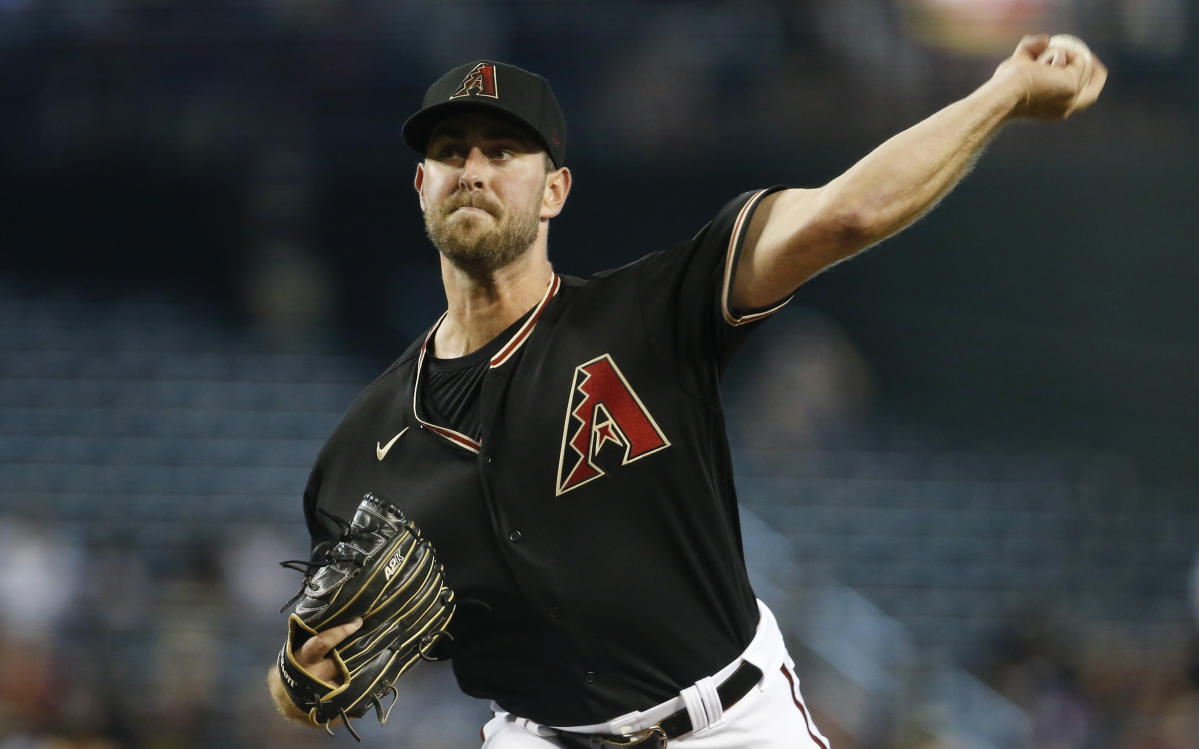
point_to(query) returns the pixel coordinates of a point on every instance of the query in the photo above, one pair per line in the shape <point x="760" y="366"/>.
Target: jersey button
<point x="590" y="677"/>
<point x="515" y="536"/>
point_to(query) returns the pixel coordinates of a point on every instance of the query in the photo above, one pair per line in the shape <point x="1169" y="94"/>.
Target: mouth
<point x="471" y="209"/>
<point x="466" y="205"/>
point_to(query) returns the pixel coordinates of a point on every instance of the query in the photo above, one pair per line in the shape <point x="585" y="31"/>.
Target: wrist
<point x="283" y="702"/>
<point x="1003" y="95"/>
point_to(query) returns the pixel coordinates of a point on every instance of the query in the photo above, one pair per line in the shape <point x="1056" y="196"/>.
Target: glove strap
<point x="304" y="690"/>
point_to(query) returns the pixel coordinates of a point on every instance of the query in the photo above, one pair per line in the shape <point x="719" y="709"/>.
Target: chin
<point x="475" y="243"/>
<point x="469" y="249"/>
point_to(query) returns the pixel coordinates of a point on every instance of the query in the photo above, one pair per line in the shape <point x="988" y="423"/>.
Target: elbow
<point x="848" y="220"/>
<point x="863" y="223"/>
<point x="853" y="228"/>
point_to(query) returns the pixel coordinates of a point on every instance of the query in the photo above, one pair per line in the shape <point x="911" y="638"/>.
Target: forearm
<point x="904" y="177"/>
<point x="795" y="234"/>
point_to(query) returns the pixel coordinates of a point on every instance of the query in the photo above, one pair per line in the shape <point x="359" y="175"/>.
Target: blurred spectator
<point x="1028" y="666"/>
<point x="1194" y="590"/>
<point x="798" y="378"/>
<point x="39" y="580"/>
<point x="118" y="596"/>
<point x="257" y="585"/>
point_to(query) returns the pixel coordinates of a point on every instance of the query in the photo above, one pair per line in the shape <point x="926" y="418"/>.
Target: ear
<point x="417" y="182"/>
<point x="557" y="187"/>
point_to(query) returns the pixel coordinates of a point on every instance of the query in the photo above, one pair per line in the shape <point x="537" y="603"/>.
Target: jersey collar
<point x="518" y="338"/>
<point x="501" y="357"/>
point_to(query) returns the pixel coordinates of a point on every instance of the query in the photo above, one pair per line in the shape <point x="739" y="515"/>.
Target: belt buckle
<point x="660" y="739"/>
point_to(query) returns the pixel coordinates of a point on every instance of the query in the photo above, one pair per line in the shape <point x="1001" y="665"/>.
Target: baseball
<point x="1065" y="42"/>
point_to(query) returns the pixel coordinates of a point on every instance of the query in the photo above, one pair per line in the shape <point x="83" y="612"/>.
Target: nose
<point x="474" y="170"/>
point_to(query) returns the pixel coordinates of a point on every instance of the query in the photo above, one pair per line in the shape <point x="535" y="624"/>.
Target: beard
<point x="470" y="244"/>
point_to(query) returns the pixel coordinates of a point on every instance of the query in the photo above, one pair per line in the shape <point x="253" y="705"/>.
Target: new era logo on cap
<point x="527" y="100"/>
<point x="480" y="81"/>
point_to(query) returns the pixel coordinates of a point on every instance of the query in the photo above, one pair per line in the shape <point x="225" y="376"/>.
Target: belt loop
<point x="703" y="703"/>
<point x="533" y="727"/>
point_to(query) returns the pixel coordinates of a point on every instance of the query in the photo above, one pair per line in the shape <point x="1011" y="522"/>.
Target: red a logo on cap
<point x="480" y="82"/>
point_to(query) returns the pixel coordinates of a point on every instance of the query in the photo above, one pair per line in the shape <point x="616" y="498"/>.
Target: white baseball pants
<point x="772" y="716"/>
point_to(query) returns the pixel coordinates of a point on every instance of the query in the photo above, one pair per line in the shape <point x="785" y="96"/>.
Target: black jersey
<point x="592" y="532"/>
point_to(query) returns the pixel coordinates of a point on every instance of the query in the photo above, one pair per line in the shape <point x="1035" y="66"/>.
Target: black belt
<point x="731" y="690"/>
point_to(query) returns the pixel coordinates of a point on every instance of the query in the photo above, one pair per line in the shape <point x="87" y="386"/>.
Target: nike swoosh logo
<point x="381" y="450"/>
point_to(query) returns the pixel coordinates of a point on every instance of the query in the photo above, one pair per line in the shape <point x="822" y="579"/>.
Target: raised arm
<point x="797" y="233"/>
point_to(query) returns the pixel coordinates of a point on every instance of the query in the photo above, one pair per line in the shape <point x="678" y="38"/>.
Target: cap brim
<point x="420" y="126"/>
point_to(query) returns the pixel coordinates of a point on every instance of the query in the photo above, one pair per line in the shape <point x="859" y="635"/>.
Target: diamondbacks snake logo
<point x="480" y="81"/>
<point x="602" y="409"/>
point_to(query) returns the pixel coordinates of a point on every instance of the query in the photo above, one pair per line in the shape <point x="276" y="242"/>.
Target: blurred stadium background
<point x="967" y="459"/>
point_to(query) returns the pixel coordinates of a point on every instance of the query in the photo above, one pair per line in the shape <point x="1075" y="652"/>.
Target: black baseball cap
<point x="494" y="86"/>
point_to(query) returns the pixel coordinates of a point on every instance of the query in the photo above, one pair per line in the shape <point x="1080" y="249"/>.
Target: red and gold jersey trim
<point x="458" y="438"/>
<point x="740" y="226"/>
<point x="519" y="337"/>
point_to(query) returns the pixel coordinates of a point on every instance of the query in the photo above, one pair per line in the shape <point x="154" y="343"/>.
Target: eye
<point x="448" y="152"/>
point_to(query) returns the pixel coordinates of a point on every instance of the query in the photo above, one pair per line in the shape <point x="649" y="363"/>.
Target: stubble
<point x="469" y="244"/>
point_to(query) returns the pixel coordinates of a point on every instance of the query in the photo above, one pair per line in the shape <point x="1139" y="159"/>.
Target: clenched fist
<point x="1051" y="87"/>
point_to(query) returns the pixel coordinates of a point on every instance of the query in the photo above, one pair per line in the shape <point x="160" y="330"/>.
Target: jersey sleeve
<point x="685" y="291"/>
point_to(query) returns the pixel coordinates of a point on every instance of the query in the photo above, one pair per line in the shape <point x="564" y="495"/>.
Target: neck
<point x="481" y="306"/>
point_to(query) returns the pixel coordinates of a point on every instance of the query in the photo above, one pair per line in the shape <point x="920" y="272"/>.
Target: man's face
<point x="482" y="188"/>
